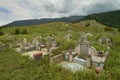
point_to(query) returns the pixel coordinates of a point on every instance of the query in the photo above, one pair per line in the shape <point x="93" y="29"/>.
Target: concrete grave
<point x="105" y="40"/>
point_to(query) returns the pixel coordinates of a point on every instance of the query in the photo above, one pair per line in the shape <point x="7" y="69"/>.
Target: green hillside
<point x="13" y="66"/>
<point x="111" y="19"/>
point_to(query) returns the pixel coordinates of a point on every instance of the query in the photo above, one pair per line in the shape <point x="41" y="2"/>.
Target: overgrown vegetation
<point x="13" y="66"/>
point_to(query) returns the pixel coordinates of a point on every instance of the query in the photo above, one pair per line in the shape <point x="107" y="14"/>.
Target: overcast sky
<point x="11" y="10"/>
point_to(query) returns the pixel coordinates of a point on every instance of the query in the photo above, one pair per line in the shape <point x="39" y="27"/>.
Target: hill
<point x="111" y="18"/>
<point x="44" y="20"/>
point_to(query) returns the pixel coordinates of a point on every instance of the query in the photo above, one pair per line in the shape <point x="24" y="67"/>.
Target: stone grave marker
<point x="68" y="37"/>
<point x="35" y="43"/>
<point x="24" y="42"/>
<point x="84" y="49"/>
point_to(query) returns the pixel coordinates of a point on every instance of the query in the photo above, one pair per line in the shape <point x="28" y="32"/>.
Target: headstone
<point x="84" y="46"/>
<point x="54" y="43"/>
<point x="84" y="36"/>
<point x="35" y="43"/>
<point x="49" y="43"/>
<point x="84" y="49"/>
<point x="68" y="37"/>
<point x="22" y="47"/>
<point x="24" y="42"/>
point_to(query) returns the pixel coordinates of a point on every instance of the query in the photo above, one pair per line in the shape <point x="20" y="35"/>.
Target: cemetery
<point x="84" y="55"/>
<point x="58" y="52"/>
<point x="36" y="47"/>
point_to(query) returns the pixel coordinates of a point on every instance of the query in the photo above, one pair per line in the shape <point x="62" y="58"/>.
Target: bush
<point x="118" y="29"/>
<point x="17" y="31"/>
<point x="108" y="29"/>
<point x="24" y="32"/>
<point x="87" y="25"/>
<point x="1" y="33"/>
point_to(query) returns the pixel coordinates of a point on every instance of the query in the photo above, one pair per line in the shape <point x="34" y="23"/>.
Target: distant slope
<point x="108" y="18"/>
<point x="44" y="20"/>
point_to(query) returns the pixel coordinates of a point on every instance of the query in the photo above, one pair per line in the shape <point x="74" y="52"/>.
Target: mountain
<point x="111" y="18"/>
<point x="44" y="20"/>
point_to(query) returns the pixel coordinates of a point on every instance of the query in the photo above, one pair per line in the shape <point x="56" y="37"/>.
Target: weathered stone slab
<point x="98" y="59"/>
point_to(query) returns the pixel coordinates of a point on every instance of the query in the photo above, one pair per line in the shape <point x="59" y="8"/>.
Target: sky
<point x="11" y="10"/>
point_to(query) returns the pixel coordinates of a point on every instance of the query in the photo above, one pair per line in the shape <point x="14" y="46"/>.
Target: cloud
<point x="11" y="10"/>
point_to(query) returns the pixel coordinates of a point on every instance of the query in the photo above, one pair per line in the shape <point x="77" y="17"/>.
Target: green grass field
<point x="13" y="66"/>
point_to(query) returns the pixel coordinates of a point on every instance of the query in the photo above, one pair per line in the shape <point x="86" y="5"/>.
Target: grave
<point x="105" y="40"/>
<point x="68" y="37"/>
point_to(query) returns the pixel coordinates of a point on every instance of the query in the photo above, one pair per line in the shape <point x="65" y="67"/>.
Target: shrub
<point x="17" y="31"/>
<point x="108" y="29"/>
<point x="24" y="32"/>
<point x="1" y="33"/>
<point x="87" y="25"/>
<point x="118" y="29"/>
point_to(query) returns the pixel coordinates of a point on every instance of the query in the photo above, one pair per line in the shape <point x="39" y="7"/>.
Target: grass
<point x="13" y="66"/>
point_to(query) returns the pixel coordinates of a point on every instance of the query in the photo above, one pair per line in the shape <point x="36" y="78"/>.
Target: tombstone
<point x="49" y="43"/>
<point x="84" y="49"/>
<point x="54" y="43"/>
<point x="84" y="36"/>
<point x="84" y="46"/>
<point x="24" y="42"/>
<point x="22" y="47"/>
<point x="35" y="43"/>
<point x="68" y="37"/>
